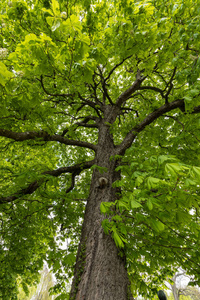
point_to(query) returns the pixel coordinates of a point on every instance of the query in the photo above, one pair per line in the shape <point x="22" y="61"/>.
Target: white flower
<point x="3" y="53"/>
<point x="19" y="73"/>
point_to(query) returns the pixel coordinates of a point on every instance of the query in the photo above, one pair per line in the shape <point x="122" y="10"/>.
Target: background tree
<point x="40" y="291"/>
<point x="99" y="135"/>
<point x="182" y="286"/>
<point x="43" y="289"/>
<point x="193" y="292"/>
<point x="179" y="284"/>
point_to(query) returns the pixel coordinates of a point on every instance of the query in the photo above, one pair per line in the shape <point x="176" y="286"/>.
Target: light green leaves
<point x="173" y="169"/>
<point x="157" y="225"/>
<point x="195" y="171"/>
<point x="5" y="75"/>
<point x="149" y="204"/>
<point x="118" y="232"/>
<point x="153" y="182"/>
<point x="164" y="158"/>
<point x="119" y="240"/>
<point x="55" y="7"/>
<point x="55" y="23"/>
<point x="73" y="22"/>
<point x="135" y="204"/>
<point x="105" y="207"/>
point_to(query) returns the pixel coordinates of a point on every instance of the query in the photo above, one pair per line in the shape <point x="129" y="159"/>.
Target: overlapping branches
<point x="133" y="88"/>
<point x="33" y="186"/>
<point x="83" y="123"/>
<point x="150" y="118"/>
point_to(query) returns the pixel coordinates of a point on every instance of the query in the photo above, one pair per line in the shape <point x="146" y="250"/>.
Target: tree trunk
<point x="175" y="291"/>
<point x="100" y="273"/>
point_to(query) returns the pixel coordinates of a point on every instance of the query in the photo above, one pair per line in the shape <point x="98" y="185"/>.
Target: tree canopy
<point x="89" y="88"/>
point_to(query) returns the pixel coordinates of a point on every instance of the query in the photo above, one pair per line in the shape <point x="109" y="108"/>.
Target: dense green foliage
<point x="60" y="62"/>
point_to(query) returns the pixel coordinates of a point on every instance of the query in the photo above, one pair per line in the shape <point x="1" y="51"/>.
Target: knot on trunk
<point x="102" y="182"/>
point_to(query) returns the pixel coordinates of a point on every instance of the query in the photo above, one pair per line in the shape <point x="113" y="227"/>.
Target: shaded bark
<point x="100" y="272"/>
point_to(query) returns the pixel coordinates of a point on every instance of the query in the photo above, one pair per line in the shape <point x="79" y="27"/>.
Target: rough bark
<point x="100" y="272"/>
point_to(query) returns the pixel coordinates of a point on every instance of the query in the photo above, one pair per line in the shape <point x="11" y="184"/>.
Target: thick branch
<point x="33" y="135"/>
<point x="148" y="120"/>
<point x="153" y="89"/>
<point x="51" y="94"/>
<point x="105" y="91"/>
<point x="170" y="84"/>
<point x="65" y="141"/>
<point x="91" y="104"/>
<point x="83" y="124"/>
<point x="126" y="94"/>
<point x="32" y="187"/>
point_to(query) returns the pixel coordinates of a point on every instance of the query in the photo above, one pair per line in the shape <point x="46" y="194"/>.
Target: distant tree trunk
<point x="100" y="273"/>
<point x="175" y="292"/>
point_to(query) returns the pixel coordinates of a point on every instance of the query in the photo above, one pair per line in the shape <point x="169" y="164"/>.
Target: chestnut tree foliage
<point x="90" y="89"/>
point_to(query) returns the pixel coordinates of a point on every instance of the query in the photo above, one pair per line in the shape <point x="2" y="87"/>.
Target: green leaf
<point x="69" y="259"/>
<point x="157" y="225"/>
<point x="63" y="296"/>
<point x="173" y="169"/>
<point x="103" y="208"/>
<point x="164" y="158"/>
<point x="183" y="217"/>
<point x="149" y="204"/>
<point x="135" y="204"/>
<point x="55" y="7"/>
<point x="153" y="182"/>
<point x="5" y="75"/>
<point x="50" y="20"/>
<point x="122" y="205"/>
<point x="100" y="169"/>
<point x="139" y="180"/>
<point x="190" y="182"/>
<point x="196" y="172"/>
<point x="118" y="240"/>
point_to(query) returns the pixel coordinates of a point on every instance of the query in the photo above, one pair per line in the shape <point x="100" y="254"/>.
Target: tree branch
<point x="32" y="135"/>
<point x="105" y="91"/>
<point x="148" y="120"/>
<point x="83" y="124"/>
<point x="135" y="86"/>
<point x="116" y="66"/>
<point x="32" y="187"/>
<point x="170" y="84"/>
<point x="51" y="94"/>
<point x="153" y="89"/>
<point x="91" y="104"/>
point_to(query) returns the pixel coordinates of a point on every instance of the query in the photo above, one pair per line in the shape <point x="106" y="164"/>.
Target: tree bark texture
<point x="100" y="272"/>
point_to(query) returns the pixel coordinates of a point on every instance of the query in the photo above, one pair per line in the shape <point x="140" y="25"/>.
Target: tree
<point x="182" y="286"/>
<point x="99" y="135"/>
<point x="193" y="292"/>
<point x="179" y="284"/>
<point x="41" y="291"/>
<point x="46" y="283"/>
